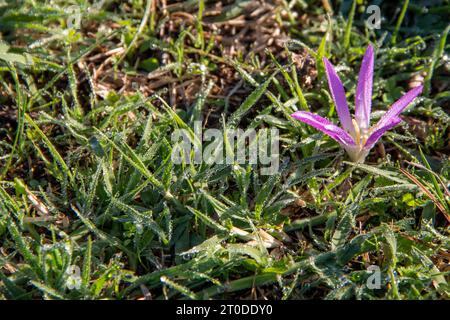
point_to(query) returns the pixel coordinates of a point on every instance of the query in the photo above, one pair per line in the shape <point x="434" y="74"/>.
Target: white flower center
<point x="360" y="135"/>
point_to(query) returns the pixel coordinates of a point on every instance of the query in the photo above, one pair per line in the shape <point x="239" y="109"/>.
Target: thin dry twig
<point x="427" y="192"/>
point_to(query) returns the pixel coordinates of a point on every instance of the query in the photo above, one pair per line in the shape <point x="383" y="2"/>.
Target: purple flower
<point x="356" y="136"/>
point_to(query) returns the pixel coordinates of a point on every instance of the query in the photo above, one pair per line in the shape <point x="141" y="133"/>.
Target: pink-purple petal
<point x="363" y="96"/>
<point x="379" y="131"/>
<point x="338" y="94"/>
<point x="325" y="126"/>
<point x="400" y="105"/>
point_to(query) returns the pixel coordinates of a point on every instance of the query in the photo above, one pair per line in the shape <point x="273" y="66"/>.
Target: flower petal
<point x="325" y="126"/>
<point x="398" y="106"/>
<point x="379" y="131"/>
<point x="363" y="96"/>
<point x="338" y="94"/>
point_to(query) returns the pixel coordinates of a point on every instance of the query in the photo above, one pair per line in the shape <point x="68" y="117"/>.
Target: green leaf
<point x="249" y="102"/>
<point x="344" y="227"/>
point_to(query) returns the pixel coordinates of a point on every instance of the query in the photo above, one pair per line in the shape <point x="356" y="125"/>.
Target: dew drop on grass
<point x="139" y="228"/>
<point x="67" y="247"/>
<point x="421" y="46"/>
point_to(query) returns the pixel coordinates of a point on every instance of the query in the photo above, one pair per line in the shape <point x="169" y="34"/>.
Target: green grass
<point x="87" y="182"/>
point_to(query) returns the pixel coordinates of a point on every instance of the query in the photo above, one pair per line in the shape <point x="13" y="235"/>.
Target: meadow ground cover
<point x="93" y="205"/>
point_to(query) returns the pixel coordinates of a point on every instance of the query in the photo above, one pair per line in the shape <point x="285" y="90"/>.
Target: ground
<point x="92" y="205"/>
